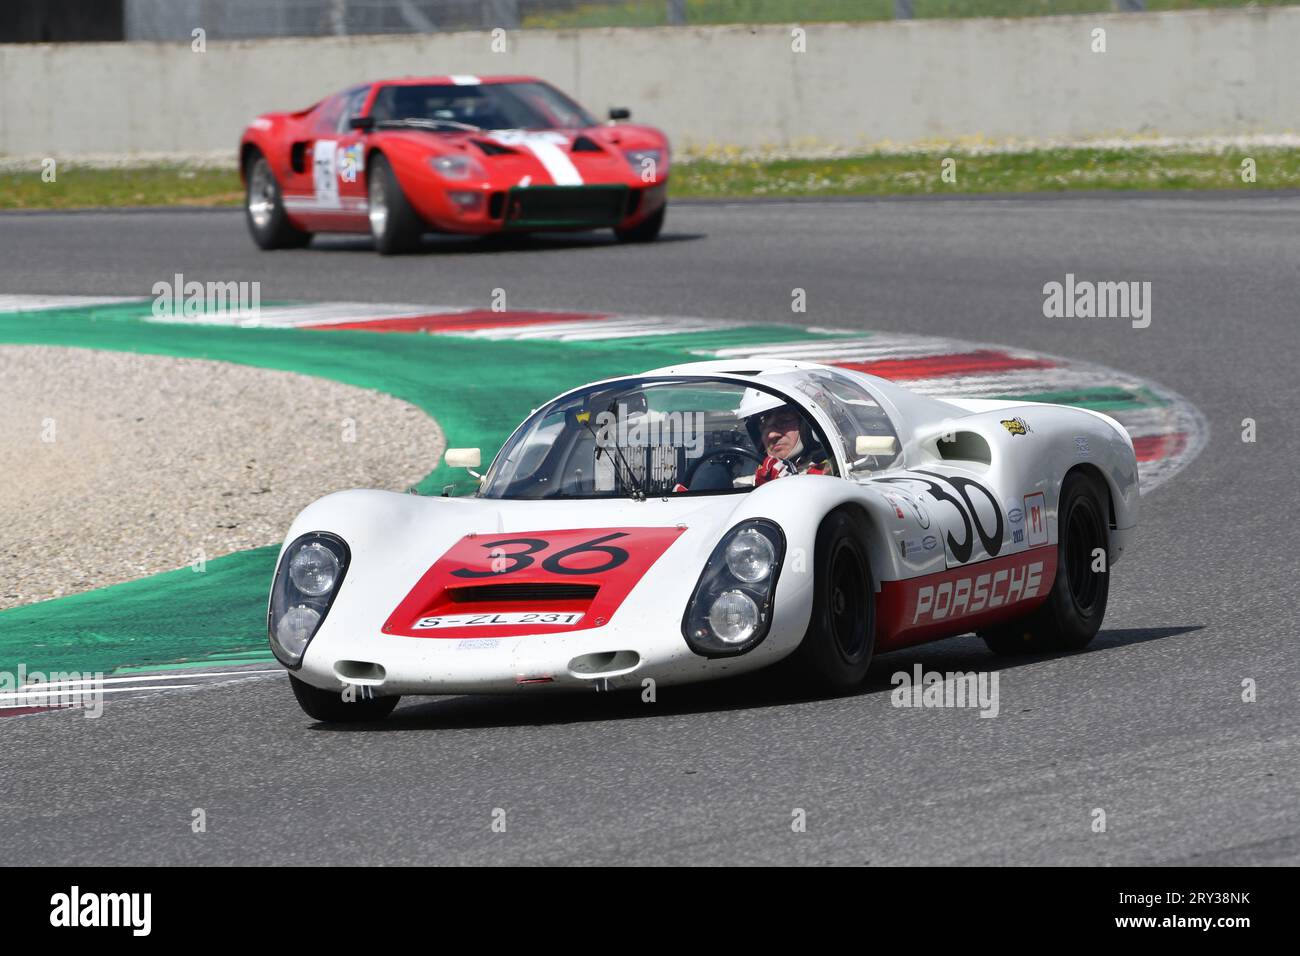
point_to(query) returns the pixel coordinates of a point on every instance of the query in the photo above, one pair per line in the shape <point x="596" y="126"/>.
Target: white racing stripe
<point x="558" y="165"/>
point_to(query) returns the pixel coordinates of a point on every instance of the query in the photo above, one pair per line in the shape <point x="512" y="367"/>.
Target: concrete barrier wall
<point x="1184" y="74"/>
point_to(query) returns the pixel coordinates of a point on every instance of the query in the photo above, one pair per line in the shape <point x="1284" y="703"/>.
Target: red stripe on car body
<point x="940" y="605"/>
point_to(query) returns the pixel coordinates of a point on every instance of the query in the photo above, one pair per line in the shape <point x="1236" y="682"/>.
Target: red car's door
<point x="328" y="194"/>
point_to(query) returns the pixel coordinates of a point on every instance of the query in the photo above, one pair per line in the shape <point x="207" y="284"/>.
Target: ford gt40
<point x="457" y="154"/>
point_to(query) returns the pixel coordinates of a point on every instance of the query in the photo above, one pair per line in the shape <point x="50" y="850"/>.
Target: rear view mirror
<point x="462" y="457"/>
<point x="619" y="113"/>
<point x="365" y="123"/>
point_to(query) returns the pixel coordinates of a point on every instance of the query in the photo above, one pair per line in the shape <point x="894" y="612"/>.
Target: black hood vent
<point x="490" y="148"/>
<point x="585" y="144"/>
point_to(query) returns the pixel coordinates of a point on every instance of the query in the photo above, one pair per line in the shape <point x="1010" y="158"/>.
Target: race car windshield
<point x="490" y="106"/>
<point x="647" y="438"/>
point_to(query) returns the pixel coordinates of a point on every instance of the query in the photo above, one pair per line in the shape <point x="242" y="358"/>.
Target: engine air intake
<point x="485" y="593"/>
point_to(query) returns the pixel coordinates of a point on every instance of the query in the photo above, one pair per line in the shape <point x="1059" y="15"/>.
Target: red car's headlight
<point x="457" y="167"/>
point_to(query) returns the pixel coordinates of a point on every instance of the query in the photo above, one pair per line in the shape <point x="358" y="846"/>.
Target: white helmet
<point x="756" y="402"/>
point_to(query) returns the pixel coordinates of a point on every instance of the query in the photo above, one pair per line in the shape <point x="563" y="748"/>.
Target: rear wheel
<point x="394" y="225"/>
<point x="1073" y="611"/>
<point x="835" y="654"/>
<point x="264" y="208"/>
<point x="329" y="706"/>
<point x="647" y="230"/>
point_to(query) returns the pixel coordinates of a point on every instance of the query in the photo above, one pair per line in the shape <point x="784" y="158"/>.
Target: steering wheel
<point x="724" y="452"/>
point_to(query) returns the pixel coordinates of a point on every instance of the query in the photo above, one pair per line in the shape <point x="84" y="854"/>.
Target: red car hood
<point x="541" y="157"/>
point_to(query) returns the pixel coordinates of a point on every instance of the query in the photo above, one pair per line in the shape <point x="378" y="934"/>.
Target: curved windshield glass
<point x="862" y="428"/>
<point x="651" y="437"/>
<point x="486" y="106"/>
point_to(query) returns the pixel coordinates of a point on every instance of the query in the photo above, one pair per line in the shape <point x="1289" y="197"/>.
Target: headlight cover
<point x="310" y="573"/>
<point x="727" y="613"/>
<point x="457" y="167"/>
<point x="637" y="159"/>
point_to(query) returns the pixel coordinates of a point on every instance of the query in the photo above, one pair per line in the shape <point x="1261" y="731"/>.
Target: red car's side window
<point x="326" y="119"/>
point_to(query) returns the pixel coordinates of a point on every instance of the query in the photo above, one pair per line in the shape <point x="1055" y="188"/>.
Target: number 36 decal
<point x="506" y="562"/>
<point x="608" y="562"/>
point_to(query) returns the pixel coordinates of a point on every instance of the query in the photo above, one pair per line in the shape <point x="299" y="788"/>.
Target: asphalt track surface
<point x="1148" y="724"/>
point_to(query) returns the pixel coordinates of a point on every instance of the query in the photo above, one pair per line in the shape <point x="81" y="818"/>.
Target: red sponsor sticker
<point x="529" y="582"/>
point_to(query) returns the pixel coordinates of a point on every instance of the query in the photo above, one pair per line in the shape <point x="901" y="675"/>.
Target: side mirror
<point x="462" y="457"/>
<point x="363" y="123"/>
<point x="884" y="445"/>
<point x="619" y="113"/>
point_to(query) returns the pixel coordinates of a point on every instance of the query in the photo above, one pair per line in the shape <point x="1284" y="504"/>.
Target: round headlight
<point x="314" y="569"/>
<point x="295" y="628"/>
<point x="750" y="556"/>
<point x="733" y="616"/>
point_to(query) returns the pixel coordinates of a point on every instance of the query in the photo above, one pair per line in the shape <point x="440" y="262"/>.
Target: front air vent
<point x="490" y="148"/>
<point x="485" y="593"/>
<point x="585" y="144"/>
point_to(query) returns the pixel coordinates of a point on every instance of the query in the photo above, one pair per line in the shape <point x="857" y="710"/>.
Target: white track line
<point x="37" y="303"/>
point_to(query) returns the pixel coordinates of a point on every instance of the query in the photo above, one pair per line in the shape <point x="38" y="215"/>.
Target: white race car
<point x="704" y="520"/>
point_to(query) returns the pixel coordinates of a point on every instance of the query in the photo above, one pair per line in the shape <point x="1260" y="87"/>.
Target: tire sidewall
<point x="820" y="656"/>
<point x="1078" y="625"/>
<point x="267" y="235"/>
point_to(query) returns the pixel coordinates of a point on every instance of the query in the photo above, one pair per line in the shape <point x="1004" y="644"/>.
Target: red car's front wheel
<point x="393" y="223"/>
<point x="647" y="230"/>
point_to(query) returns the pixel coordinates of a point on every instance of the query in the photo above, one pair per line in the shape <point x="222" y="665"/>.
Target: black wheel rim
<point x="847" y="602"/>
<point x="1081" y="539"/>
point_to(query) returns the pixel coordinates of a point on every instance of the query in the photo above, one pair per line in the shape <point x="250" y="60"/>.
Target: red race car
<point x="459" y="154"/>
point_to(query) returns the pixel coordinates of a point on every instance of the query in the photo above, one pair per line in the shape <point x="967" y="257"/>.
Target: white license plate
<point x="498" y="619"/>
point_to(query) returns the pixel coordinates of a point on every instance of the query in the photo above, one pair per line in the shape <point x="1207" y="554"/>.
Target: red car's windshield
<point x="488" y="105"/>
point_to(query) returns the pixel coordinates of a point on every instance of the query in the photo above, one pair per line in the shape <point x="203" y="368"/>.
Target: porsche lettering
<point x="970" y="595"/>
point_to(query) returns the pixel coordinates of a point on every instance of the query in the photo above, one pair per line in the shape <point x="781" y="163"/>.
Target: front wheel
<point x="647" y="230"/>
<point x="395" y="226"/>
<point x="330" y="706"/>
<point x="835" y="654"/>
<point x="1073" y="611"/>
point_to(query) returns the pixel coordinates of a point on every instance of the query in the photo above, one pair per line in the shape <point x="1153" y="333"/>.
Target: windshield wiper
<point x="629" y="476"/>
<point x="417" y="122"/>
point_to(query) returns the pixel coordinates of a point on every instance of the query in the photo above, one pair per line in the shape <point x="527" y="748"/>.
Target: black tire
<point x="264" y="208"/>
<point x="328" y="706"/>
<point x="394" y="225"/>
<point x="647" y="230"/>
<point x="1076" y="605"/>
<point x="835" y="654"/>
